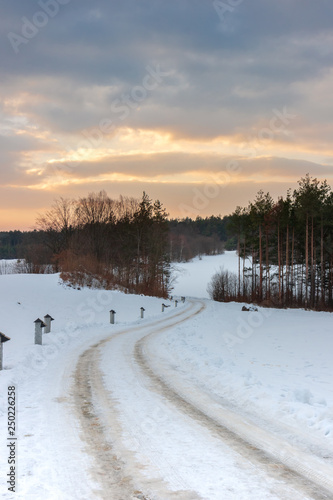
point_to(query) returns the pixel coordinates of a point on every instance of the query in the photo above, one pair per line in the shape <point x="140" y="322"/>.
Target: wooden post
<point x="142" y="311"/>
<point x="112" y="313"/>
<point x="3" y="338"/>
<point x="39" y="324"/>
<point x="47" y="321"/>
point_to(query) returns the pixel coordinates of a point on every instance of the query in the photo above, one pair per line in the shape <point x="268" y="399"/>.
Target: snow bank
<point x="272" y="365"/>
<point x="49" y="448"/>
<point x="192" y="278"/>
<point x="26" y="297"/>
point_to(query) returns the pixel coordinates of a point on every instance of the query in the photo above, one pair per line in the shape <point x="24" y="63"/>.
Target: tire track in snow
<point x="107" y="470"/>
<point x="279" y="465"/>
<point x="90" y="393"/>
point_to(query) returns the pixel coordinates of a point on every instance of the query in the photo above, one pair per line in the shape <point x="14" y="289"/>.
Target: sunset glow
<point x="130" y="96"/>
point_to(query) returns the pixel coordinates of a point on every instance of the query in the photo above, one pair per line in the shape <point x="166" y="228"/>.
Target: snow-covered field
<point x="191" y="278"/>
<point x="200" y="401"/>
<point x="7" y="266"/>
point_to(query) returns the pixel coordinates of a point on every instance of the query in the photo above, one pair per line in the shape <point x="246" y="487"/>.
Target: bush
<point x="223" y="286"/>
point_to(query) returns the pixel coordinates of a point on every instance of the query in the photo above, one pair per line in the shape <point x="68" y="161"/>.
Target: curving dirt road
<point x="114" y="437"/>
<point x="101" y="429"/>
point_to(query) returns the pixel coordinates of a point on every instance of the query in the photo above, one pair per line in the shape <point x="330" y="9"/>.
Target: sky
<point x="199" y="103"/>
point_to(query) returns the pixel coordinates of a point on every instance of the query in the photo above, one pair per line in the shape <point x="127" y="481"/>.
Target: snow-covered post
<point x="176" y="303"/>
<point x="142" y="311"/>
<point x="163" y="306"/>
<point x="3" y="338"/>
<point x="183" y="299"/>
<point x="112" y="313"/>
<point x="39" y="324"/>
<point x="47" y="321"/>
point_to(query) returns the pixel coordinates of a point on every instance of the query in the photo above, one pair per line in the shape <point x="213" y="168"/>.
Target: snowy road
<point x="195" y="402"/>
<point x="154" y="435"/>
<point x="116" y="469"/>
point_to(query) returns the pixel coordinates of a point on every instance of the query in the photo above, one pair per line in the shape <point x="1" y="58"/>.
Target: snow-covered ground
<point x="200" y="401"/>
<point x="7" y="266"/>
<point x="191" y="278"/>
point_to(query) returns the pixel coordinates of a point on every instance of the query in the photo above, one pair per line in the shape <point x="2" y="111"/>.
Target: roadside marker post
<point x="47" y="321"/>
<point x="112" y="315"/>
<point x="3" y="339"/>
<point x="142" y="312"/>
<point x="39" y="324"/>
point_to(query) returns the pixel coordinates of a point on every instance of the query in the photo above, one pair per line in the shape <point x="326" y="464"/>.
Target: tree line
<point x="15" y="244"/>
<point x="285" y="250"/>
<point x="187" y="238"/>
<point x="98" y="241"/>
<point x="190" y="238"/>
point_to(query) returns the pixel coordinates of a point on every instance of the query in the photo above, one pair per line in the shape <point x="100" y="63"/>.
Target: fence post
<point x="47" y="321"/>
<point x="3" y="338"/>
<point x="39" y="324"/>
<point x="112" y="313"/>
<point x="142" y="311"/>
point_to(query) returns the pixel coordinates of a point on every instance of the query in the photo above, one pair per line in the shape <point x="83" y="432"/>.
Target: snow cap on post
<point x="49" y="317"/>
<point x="4" y="338"/>
<point x="38" y="320"/>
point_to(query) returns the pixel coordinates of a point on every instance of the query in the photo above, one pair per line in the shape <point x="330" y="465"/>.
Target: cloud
<point x="86" y="58"/>
<point x="172" y="168"/>
<point x="180" y="200"/>
<point x="223" y="82"/>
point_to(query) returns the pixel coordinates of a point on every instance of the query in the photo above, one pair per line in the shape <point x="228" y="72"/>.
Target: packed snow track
<point x="155" y="436"/>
